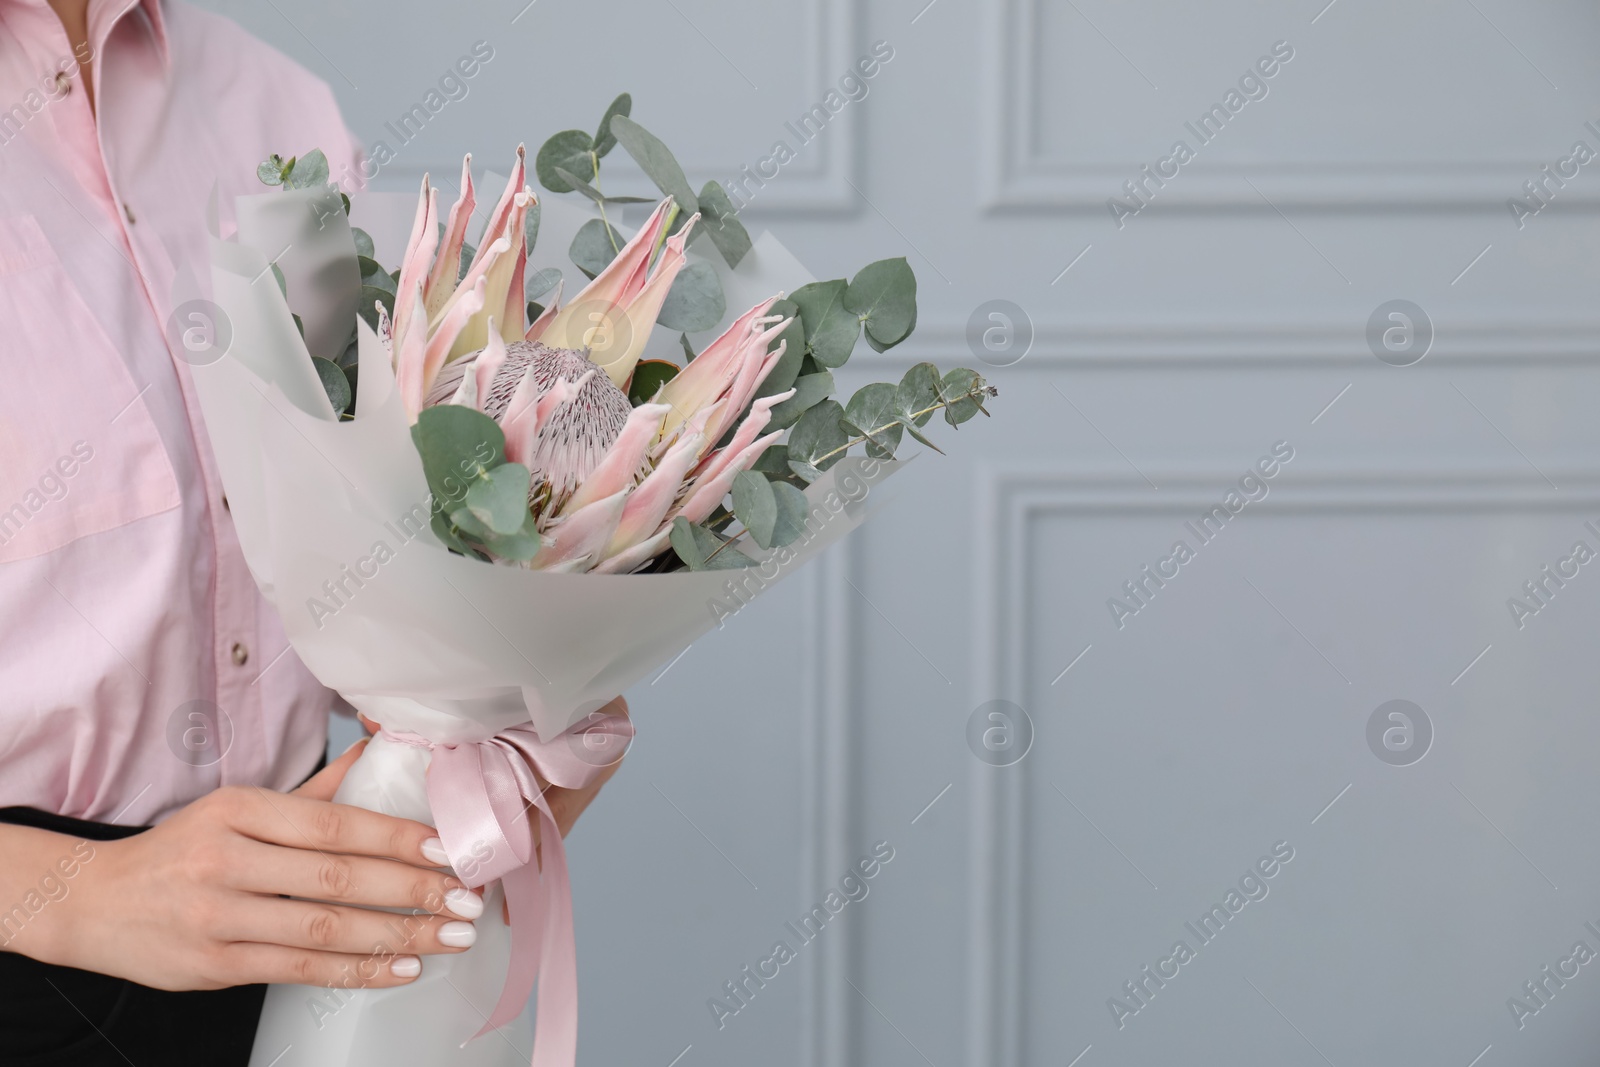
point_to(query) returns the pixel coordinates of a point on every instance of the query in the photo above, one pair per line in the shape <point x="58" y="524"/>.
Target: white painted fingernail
<point x="464" y="902"/>
<point x="405" y="967"/>
<point x="433" y="851"/>
<point x="458" y="935"/>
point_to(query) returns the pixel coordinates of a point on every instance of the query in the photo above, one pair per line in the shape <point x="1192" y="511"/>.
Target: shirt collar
<point x="105" y="14"/>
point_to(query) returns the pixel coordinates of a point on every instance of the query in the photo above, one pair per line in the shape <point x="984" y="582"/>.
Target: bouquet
<point x="483" y="513"/>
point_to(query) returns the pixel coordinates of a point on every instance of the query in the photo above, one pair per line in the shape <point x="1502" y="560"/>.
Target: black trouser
<point x="53" y="1015"/>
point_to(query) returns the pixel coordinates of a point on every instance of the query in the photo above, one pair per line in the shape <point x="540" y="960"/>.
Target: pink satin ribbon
<point x="481" y="793"/>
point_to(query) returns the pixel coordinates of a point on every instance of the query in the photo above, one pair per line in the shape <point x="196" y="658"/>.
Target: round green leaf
<point x="456" y="444"/>
<point x="816" y="434"/>
<point x="695" y="302"/>
<point x="884" y="296"/>
<point x="593" y="248"/>
<point x="755" y="506"/>
<point x="499" y="500"/>
<point x="830" y="329"/>
<point x="810" y="390"/>
<point x="870" y="413"/>
<point x="703" y="550"/>
<point x="270" y="172"/>
<point x="648" y="376"/>
<point x="793" y="508"/>
<point x="334" y="383"/>
<point x="309" y="170"/>
<point x="960" y="383"/>
<point x="568" y="150"/>
<point x="371" y="296"/>
<point x="363" y="241"/>
<point x="541" y="282"/>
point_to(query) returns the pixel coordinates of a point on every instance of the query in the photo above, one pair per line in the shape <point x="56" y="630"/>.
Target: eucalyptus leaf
<point x="755" y="506"/>
<point x="870" y="413"/>
<point x="603" y="139"/>
<point x="530" y="226"/>
<point x="959" y="383"/>
<point x="568" y="150"/>
<point x="720" y="221"/>
<point x="309" y="170"/>
<point x="596" y="195"/>
<point x="816" y="435"/>
<point x="499" y="500"/>
<point x="695" y="302"/>
<point x="918" y="391"/>
<point x="793" y="510"/>
<point x="522" y="545"/>
<point x="541" y="282"/>
<point x="535" y="309"/>
<point x="299" y="325"/>
<point x="334" y="383"/>
<point x="464" y="520"/>
<point x="592" y="248"/>
<point x="657" y="161"/>
<point x="270" y="172"/>
<point x="649" y="375"/>
<point x="366" y="304"/>
<point x="277" y="276"/>
<point x="884" y="296"/>
<point x="704" y="550"/>
<point x="688" y="349"/>
<point x="447" y="536"/>
<point x="774" y="460"/>
<point x="363" y="239"/>
<point x="830" y="329"/>
<point x="457" y="444"/>
<point x="810" y="390"/>
<point x="374" y="276"/>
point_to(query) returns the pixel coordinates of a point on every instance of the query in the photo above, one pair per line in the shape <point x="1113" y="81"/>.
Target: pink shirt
<point x="127" y="616"/>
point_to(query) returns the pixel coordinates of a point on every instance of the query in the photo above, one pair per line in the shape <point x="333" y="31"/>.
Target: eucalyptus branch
<point x="978" y="393"/>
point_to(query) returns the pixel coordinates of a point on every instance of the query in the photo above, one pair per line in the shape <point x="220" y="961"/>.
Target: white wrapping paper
<point x="333" y="520"/>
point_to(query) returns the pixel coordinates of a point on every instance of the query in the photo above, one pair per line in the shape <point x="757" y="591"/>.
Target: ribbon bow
<point x="481" y="793"/>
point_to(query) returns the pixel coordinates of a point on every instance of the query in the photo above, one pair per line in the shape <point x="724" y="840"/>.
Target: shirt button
<point x="241" y="655"/>
<point x="127" y="213"/>
<point x="63" y="83"/>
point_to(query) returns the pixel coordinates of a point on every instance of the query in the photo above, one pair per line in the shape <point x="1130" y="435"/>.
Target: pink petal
<point x="489" y="361"/>
<point x="520" y="423"/>
<point x="446" y="265"/>
<point x="648" y="505"/>
<point x="463" y="306"/>
<point x="419" y="256"/>
<point x="707" y="376"/>
<point x="628" y="559"/>
<point x="410" y="356"/>
<point x="754" y="423"/>
<point x="752" y="372"/>
<point x="623" y="460"/>
<point x="502" y="208"/>
<point x="560" y="393"/>
<point x="704" y="500"/>
<point x="583" y="533"/>
<point x="641" y="310"/>
<point x="621" y="280"/>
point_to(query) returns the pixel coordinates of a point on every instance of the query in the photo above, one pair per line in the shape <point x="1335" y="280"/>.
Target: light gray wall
<point x="1228" y="713"/>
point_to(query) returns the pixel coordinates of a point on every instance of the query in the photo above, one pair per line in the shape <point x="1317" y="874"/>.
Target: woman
<point x="146" y="683"/>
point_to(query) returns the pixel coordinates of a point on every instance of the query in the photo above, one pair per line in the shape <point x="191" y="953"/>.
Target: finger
<point x="336" y="928"/>
<point x="302" y="822"/>
<point x="341" y="879"/>
<point x="371" y="726"/>
<point x="249" y="963"/>
<point x="323" y="784"/>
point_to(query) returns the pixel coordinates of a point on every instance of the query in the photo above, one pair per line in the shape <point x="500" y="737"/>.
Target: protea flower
<point x="608" y="477"/>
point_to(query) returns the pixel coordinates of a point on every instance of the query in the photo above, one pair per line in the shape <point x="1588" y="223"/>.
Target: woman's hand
<point x="198" y="902"/>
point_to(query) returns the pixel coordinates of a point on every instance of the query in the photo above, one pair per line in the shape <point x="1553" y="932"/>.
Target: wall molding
<point x="828" y="798"/>
<point x="1211" y="344"/>
<point x="1014" y="177"/>
<point x="817" y="183"/>
<point x="1013" y="497"/>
